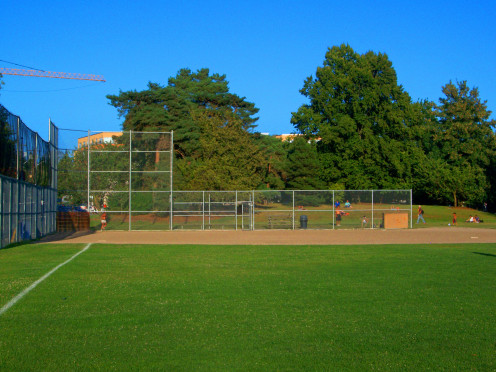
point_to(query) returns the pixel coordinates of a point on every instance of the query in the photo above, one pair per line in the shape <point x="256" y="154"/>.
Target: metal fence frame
<point x="233" y="210"/>
<point x="28" y="187"/>
<point x="93" y="148"/>
<point x="233" y="207"/>
<point x="26" y="212"/>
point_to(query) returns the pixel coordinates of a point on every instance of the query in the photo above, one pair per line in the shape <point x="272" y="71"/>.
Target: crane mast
<point x="50" y="74"/>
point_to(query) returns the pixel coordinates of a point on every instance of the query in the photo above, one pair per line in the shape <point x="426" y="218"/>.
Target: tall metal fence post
<point x="171" y="174"/>
<point x="35" y="158"/>
<point x="372" y="224"/>
<point x="411" y="209"/>
<point x="203" y="210"/>
<point x="18" y="212"/>
<point x="293" y="209"/>
<point x="236" y="212"/>
<point x="171" y="212"/>
<point x="253" y="211"/>
<point x="11" y="215"/>
<point x="18" y="146"/>
<point x="333" y="213"/>
<point x="36" y="212"/>
<point x="209" y="210"/>
<point x="89" y="171"/>
<point x="52" y="193"/>
<point x="130" y="175"/>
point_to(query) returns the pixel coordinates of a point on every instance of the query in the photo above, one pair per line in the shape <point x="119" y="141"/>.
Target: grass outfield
<point x="404" y="307"/>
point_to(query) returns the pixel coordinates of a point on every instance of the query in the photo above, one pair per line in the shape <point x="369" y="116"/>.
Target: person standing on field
<point x="338" y="217"/>
<point x="104" y="220"/>
<point x="454" y="218"/>
<point x="420" y="214"/>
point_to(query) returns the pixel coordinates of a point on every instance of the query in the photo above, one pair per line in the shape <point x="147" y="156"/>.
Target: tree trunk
<point x="455" y="202"/>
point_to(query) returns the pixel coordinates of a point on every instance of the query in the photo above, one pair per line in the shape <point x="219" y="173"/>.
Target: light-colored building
<point x="102" y="137"/>
<point x="291" y="137"/>
<point x="287" y="137"/>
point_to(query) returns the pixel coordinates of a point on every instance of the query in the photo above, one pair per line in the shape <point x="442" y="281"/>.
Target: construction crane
<point x="49" y="74"/>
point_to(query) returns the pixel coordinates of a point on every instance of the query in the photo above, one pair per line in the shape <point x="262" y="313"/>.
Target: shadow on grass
<point x="51" y="238"/>
<point x="65" y="235"/>
<point x="485" y="254"/>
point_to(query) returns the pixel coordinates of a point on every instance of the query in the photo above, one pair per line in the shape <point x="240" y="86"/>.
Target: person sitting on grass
<point x="470" y="219"/>
<point x="364" y="221"/>
<point x="347" y="204"/>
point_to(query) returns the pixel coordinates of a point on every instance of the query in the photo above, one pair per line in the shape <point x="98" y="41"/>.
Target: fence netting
<point x="28" y="181"/>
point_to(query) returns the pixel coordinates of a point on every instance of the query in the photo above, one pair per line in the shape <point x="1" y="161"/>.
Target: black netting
<point x="24" y="155"/>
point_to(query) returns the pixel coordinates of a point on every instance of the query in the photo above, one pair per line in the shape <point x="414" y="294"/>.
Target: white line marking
<point x="33" y="286"/>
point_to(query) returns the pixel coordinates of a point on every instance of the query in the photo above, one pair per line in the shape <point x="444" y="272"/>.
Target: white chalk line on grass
<point x="33" y="286"/>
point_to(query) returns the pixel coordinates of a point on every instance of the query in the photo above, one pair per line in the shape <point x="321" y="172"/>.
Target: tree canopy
<point x="199" y="108"/>
<point x="171" y="107"/>
<point x="364" y="131"/>
<point x="360" y="113"/>
<point x="373" y="136"/>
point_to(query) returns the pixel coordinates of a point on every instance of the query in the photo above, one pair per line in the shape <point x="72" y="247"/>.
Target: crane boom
<point x="49" y="74"/>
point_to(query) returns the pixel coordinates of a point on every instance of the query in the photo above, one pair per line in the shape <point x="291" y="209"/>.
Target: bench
<point x="281" y="221"/>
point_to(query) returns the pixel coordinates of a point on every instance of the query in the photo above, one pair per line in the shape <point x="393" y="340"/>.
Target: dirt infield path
<point x="433" y="235"/>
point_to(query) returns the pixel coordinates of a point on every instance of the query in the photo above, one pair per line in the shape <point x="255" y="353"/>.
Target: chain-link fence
<point x="28" y="181"/>
<point x="288" y="209"/>
<point x="127" y="178"/>
<point x="126" y="175"/>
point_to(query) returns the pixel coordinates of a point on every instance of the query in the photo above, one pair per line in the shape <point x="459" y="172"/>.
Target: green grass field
<point x="405" y="307"/>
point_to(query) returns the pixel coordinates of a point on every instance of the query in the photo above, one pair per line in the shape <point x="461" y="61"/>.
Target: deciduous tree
<point x="361" y="114"/>
<point x="228" y="157"/>
<point x="465" y="141"/>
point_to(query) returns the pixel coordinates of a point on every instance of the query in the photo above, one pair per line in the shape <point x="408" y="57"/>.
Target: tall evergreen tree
<point x="303" y="166"/>
<point x="274" y="154"/>
<point x="165" y="108"/>
<point x="184" y="106"/>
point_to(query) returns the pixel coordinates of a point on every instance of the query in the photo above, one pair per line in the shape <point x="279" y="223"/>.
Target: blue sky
<point x="265" y="48"/>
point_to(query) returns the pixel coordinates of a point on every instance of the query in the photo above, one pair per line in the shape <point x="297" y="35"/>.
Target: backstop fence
<point x="128" y="176"/>
<point x="28" y="180"/>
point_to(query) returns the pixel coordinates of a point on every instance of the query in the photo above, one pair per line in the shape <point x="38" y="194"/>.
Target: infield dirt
<point x="434" y="235"/>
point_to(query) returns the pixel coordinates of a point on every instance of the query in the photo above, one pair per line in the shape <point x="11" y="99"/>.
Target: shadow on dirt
<point x="65" y="235"/>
